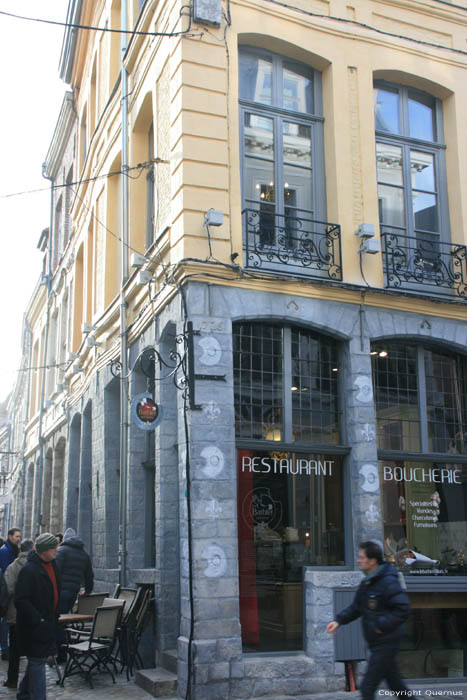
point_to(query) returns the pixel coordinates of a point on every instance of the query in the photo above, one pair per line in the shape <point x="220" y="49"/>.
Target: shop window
<point x="290" y="475"/>
<point x="421" y="413"/>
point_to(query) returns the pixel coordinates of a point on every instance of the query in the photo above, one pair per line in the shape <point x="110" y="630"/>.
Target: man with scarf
<point x="8" y="553"/>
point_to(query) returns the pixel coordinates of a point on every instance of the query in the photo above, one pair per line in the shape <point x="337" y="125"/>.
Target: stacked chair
<point x="113" y="638"/>
<point x="95" y="652"/>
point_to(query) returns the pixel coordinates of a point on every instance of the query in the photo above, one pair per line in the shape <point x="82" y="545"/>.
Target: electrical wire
<point x="360" y="255"/>
<point x="139" y="166"/>
<point x="72" y="25"/>
<point x="366" y="26"/>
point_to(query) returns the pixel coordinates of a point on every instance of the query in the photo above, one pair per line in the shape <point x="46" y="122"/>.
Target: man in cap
<point x="37" y="594"/>
<point x="383" y="605"/>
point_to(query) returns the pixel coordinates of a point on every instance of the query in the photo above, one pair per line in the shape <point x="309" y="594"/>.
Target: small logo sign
<point x="145" y="412"/>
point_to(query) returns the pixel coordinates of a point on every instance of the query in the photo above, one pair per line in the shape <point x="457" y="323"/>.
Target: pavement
<point x="76" y="687"/>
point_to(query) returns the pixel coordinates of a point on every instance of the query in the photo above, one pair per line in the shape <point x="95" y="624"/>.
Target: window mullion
<point x="407" y="179"/>
<point x="422" y="407"/>
<point x="279" y="169"/>
<point x="286" y="385"/>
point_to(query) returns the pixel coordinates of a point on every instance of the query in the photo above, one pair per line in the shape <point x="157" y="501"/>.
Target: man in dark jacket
<point x="36" y="599"/>
<point x="8" y="553"/>
<point x="383" y="605"/>
<point x="74" y="565"/>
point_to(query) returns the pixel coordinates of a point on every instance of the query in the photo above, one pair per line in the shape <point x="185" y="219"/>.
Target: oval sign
<point x="145" y="412"/>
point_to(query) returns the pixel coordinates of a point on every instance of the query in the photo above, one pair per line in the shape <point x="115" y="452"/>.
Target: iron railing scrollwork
<point x="282" y="242"/>
<point x="415" y="263"/>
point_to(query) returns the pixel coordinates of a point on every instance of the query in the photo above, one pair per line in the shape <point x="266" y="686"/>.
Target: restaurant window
<point x="421" y="417"/>
<point x="290" y="475"/>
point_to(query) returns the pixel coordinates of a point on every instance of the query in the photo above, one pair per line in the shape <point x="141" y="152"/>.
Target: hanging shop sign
<point x="146" y="414"/>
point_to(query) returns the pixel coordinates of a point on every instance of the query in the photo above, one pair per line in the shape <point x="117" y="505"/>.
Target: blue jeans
<point x="67" y="598"/>
<point x="382" y="666"/>
<point x="4" y="635"/>
<point x="32" y="687"/>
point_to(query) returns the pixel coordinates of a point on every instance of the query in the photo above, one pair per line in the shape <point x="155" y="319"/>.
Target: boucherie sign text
<point x="284" y="465"/>
<point x="422" y="475"/>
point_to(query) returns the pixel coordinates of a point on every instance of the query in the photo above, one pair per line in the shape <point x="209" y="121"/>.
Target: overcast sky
<point x="32" y="94"/>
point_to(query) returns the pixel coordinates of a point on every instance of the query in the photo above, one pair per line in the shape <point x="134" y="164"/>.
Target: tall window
<point x="290" y="475"/>
<point x="281" y="132"/>
<point x="410" y="164"/>
<point x="421" y="417"/>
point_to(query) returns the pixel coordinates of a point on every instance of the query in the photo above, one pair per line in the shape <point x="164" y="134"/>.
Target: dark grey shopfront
<point x="293" y="491"/>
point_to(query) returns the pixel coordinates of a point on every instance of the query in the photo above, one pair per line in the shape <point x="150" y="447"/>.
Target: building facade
<point x="251" y="340"/>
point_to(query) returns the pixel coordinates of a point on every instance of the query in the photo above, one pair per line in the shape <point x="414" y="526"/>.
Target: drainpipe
<point x="44" y="356"/>
<point x="28" y="335"/>
<point x="122" y="544"/>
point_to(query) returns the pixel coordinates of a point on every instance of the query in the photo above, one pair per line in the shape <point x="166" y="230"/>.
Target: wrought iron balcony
<point x="282" y="242"/>
<point x="423" y="265"/>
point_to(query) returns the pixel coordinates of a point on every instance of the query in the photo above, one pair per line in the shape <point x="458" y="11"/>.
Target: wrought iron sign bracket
<point x="192" y="375"/>
<point x="180" y="366"/>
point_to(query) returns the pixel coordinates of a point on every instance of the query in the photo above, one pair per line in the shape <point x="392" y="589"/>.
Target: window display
<point x="424" y="508"/>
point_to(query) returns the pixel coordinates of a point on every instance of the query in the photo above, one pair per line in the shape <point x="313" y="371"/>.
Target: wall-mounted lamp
<point x="369" y="244"/>
<point x="213" y="217"/>
<point x="138" y="260"/>
<point x="91" y="342"/>
<point x="365" y="231"/>
<point x="144" y="277"/>
<point x="87" y="328"/>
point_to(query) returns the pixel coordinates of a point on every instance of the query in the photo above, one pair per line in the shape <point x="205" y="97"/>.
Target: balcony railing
<point x="297" y="244"/>
<point x="425" y="266"/>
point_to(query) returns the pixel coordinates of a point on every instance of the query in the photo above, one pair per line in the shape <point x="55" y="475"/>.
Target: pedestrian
<point x="383" y="605"/>
<point x="75" y="567"/>
<point x="36" y="598"/>
<point x="59" y="536"/>
<point x="11" y="576"/>
<point x="8" y="552"/>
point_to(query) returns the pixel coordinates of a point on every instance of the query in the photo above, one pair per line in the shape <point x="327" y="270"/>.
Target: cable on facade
<point x="71" y="25"/>
<point x="363" y="25"/>
<point x="139" y="166"/>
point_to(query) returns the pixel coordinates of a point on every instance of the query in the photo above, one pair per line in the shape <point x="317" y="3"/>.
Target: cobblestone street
<point x="77" y="687"/>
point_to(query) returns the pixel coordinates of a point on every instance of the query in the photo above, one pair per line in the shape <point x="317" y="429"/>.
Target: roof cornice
<point x="63" y="128"/>
<point x="69" y="40"/>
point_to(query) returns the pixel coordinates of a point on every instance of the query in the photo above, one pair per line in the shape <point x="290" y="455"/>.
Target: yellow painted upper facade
<point x="186" y="153"/>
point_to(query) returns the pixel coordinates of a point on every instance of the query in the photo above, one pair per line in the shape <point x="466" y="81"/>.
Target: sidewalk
<point x="77" y="688"/>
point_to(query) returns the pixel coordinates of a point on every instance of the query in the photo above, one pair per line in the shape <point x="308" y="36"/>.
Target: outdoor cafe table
<point x="74" y="618"/>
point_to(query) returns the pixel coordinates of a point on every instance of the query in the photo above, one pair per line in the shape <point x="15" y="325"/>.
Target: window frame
<point x="423" y="454"/>
<point x="287" y="378"/>
<point x="280" y="114"/>
<point x="407" y="143"/>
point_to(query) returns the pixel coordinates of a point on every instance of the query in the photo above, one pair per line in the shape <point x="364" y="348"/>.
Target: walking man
<point x="383" y="605"/>
<point x="8" y="553"/>
<point x="36" y="599"/>
<point x="11" y="576"/>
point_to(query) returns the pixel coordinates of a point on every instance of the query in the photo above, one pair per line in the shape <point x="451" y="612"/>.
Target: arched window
<point x="283" y="160"/>
<point x="290" y="474"/>
<point x="421" y="418"/>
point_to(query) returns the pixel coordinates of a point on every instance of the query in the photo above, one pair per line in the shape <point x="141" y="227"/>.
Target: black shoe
<point x="10" y="684"/>
<point x="4" y="656"/>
